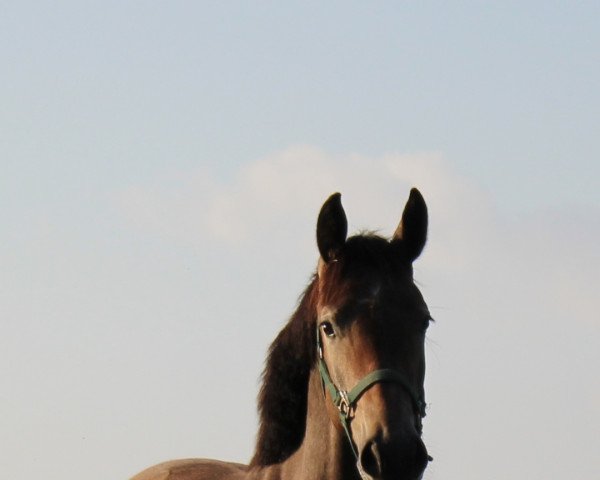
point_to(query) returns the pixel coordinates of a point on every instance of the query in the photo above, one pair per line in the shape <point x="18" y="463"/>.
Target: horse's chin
<point x="388" y="476"/>
<point x="366" y="476"/>
<point x="392" y="477"/>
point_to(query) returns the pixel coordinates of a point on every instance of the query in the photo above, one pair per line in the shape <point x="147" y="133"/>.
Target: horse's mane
<point x="283" y="397"/>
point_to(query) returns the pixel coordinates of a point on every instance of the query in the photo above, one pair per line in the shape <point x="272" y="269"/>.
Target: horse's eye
<point x="328" y="329"/>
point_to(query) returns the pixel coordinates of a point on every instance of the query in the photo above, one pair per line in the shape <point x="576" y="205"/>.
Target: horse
<point x="342" y="392"/>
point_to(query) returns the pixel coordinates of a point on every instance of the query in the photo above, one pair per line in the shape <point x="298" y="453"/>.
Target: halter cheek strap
<point x="345" y="401"/>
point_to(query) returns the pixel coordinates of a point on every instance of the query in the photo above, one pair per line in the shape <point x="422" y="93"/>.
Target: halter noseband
<point x="345" y="401"/>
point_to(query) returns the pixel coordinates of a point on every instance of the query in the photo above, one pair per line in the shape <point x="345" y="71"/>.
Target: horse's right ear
<point x="332" y="228"/>
<point x="411" y="234"/>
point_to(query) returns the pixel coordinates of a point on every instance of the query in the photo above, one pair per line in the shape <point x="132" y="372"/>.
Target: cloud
<point x="272" y="195"/>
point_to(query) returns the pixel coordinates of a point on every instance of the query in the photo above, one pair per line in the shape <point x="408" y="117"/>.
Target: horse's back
<point x="194" y="469"/>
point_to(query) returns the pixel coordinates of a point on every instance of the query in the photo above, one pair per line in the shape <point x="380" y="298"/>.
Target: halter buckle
<point x="344" y="406"/>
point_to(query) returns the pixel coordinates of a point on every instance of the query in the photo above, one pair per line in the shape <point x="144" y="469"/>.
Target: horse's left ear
<point x="412" y="230"/>
<point x="332" y="228"/>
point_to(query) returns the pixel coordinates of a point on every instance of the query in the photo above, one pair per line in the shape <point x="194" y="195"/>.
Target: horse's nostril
<point x="370" y="460"/>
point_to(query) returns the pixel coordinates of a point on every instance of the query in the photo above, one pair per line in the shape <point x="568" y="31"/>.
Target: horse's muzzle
<point x="397" y="459"/>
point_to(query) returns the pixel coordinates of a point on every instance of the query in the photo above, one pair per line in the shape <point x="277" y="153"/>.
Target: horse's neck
<point x="324" y="453"/>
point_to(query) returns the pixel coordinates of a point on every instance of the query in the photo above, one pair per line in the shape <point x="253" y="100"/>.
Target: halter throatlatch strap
<point x="345" y="402"/>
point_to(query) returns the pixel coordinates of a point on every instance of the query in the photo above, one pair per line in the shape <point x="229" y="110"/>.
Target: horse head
<point x="370" y="329"/>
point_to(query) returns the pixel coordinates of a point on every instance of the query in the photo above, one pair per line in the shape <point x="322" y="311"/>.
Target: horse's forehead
<point x="379" y="288"/>
<point x="374" y="291"/>
<point x="369" y="292"/>
<point x="382" y="292"/>
<point x="365" y="296"/>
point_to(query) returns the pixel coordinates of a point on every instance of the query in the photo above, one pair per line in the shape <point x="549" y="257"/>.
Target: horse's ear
<point x="412" y="230"/>
<point x="332" y="228"/>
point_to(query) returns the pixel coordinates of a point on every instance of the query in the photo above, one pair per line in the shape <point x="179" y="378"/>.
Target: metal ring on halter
<point x="344" y="406"/>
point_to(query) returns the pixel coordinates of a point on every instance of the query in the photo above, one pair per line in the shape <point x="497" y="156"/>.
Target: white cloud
<point x="271" y="195"/>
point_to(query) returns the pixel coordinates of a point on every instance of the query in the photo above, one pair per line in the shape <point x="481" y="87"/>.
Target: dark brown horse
<point x="342" y="394"/>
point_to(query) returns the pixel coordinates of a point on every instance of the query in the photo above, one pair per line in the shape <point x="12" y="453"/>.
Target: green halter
<point x="345" y="401"/>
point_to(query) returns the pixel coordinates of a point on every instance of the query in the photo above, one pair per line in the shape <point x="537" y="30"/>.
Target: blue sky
<point x="156" y="157"/>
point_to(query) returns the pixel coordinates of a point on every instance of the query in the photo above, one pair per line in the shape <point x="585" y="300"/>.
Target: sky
<point x="162" y="168"/>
